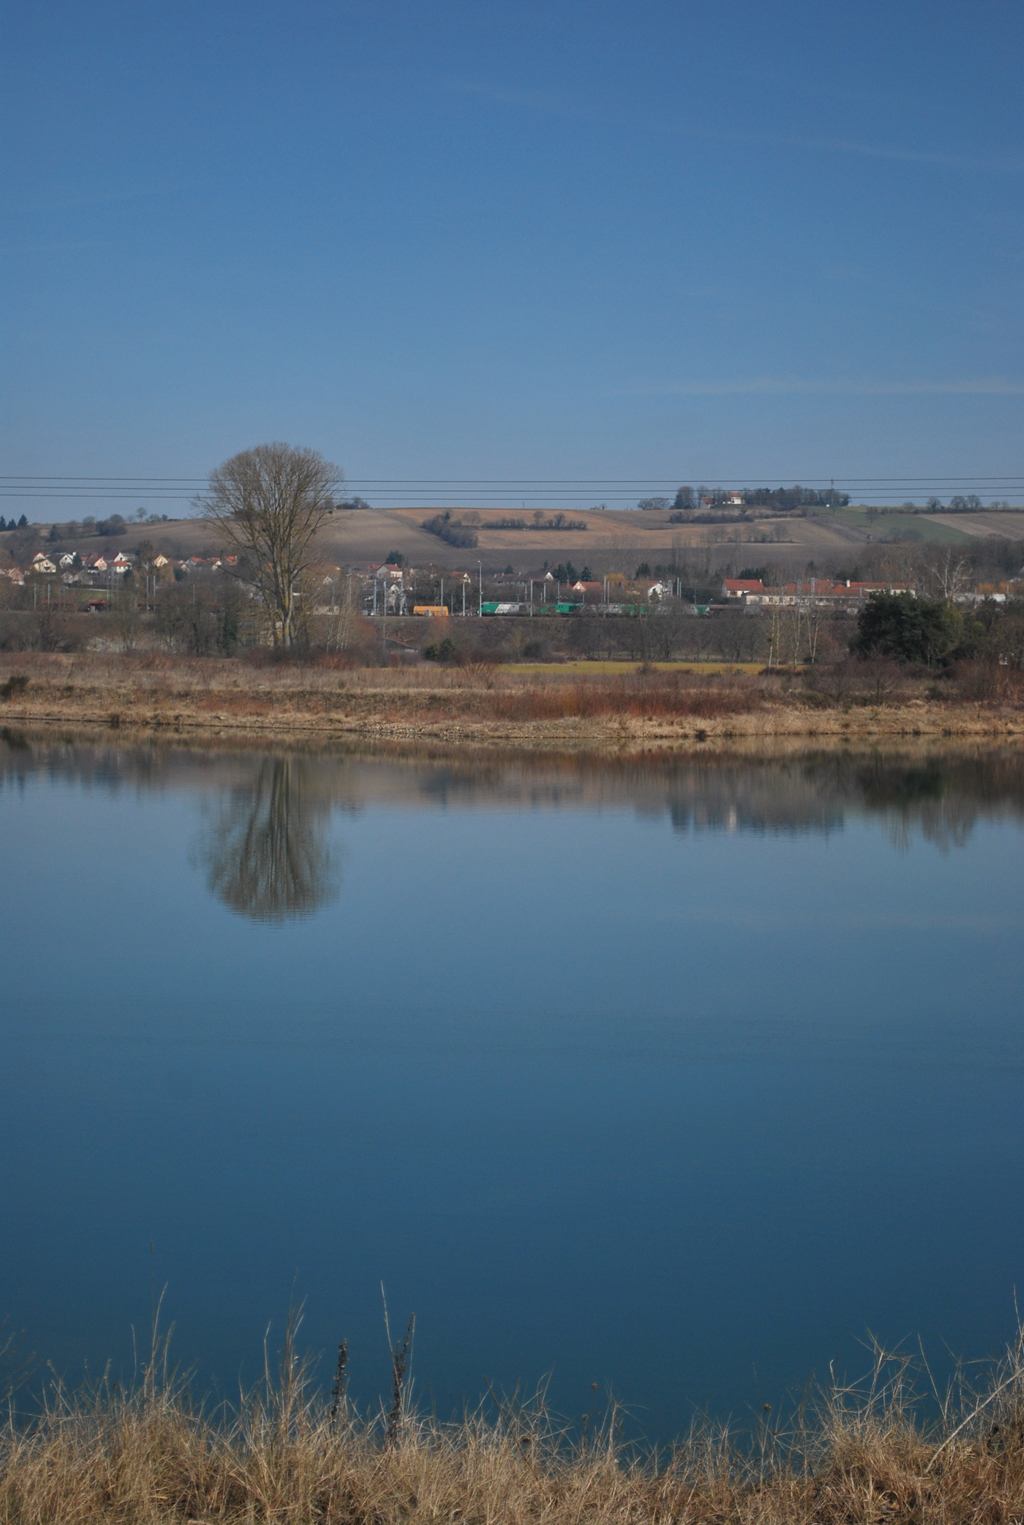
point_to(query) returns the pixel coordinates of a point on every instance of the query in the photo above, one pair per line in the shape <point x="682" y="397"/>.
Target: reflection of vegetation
<point x="265" y="855"/>
<point x="903" y="787"/>
<point x="938" y="798"/>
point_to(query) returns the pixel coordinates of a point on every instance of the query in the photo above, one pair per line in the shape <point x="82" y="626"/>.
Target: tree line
<point x="783" y="499"/>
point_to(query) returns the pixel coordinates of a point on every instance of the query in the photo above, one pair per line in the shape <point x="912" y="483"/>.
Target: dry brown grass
<point x="644" y="706"/>
<point x="641" y="695"/>
<point x="283" y="1455"/>
<point x="233" y="688"/>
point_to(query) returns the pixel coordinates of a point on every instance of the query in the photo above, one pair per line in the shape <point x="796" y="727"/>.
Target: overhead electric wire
<point x="499" y="481"/>
<point x="505" y="493"/>
<point x="573" y="482"/>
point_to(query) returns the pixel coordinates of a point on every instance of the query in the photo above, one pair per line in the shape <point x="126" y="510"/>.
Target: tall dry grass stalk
<point x="855" y="1453"/>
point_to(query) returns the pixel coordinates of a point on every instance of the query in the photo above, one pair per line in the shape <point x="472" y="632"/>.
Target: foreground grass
<point x="285" y="1455"/>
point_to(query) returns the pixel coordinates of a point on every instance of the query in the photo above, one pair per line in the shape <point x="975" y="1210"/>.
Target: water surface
<point x="678" y="1076"/>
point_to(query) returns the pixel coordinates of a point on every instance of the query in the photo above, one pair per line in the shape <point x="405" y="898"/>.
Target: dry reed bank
<point x="284" y="1455"/>
<point x="492" y="706"/>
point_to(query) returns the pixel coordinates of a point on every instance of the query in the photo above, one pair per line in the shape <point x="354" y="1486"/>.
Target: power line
<point x="412" y="493"/>
<point x="536" y="481"/>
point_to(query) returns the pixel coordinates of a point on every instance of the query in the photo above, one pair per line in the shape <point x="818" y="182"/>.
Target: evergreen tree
<point x="908" y="628"/>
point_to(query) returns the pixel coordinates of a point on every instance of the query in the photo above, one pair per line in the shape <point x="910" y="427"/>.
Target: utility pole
<point x="480" y="568"/>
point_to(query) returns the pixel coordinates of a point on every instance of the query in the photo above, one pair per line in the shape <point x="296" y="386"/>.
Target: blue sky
<point x="514" y="240"/>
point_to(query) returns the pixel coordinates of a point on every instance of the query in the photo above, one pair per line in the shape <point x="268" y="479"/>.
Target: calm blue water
<point x="680" y="1078"/>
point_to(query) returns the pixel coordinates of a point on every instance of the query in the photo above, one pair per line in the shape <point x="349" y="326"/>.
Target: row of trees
<point x="452" y="531"/>
<point x="84" y="529"/>
<point x="783" y="499"/>
<point x="957" y="505"/>
<point x="114" y="524"/>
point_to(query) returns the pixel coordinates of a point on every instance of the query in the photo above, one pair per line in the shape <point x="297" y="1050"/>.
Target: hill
<point x="605" y="540"/>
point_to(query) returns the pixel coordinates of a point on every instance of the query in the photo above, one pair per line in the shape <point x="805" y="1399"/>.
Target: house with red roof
<point x="739" y="587"/>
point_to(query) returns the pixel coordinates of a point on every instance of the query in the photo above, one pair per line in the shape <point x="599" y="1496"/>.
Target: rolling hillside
<point x="613" y="540"/>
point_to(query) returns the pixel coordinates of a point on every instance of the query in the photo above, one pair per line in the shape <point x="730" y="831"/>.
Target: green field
<point x="894" y="523"/>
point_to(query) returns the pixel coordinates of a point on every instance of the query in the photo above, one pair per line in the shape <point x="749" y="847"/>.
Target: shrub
<point x="442" y="651"/>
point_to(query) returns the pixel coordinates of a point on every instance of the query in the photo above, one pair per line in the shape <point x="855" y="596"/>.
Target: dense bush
<point x="929" y="630"/>
<point x="444" y="650"/>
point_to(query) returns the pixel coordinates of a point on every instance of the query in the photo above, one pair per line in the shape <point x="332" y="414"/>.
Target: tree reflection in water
<point x="266" y="853"/>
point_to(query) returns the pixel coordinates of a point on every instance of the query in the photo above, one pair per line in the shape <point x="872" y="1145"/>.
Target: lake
<point x="678" y="1076"/>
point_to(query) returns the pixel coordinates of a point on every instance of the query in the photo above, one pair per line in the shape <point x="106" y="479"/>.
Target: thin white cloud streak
<point x="557" y="105"/>
<point x="786" y="386"/>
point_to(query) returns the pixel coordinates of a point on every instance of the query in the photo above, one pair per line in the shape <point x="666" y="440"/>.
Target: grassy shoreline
<point x="154" y="1456"/>
<point x="647" y="708"/>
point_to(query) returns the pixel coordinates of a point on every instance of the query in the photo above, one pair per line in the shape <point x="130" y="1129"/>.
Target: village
<point x="89" y="582"/>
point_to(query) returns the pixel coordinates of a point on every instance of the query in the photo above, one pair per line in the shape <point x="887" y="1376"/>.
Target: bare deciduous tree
<point x="269" y="504"/>
<point x="125" y="609"/>
<point x="948" y="572"/>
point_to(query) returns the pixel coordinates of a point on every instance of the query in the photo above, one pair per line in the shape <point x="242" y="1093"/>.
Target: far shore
<point x="594" y="708"/>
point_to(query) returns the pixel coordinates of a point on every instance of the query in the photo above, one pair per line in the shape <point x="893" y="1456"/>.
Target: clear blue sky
<point x="513" y="239"/>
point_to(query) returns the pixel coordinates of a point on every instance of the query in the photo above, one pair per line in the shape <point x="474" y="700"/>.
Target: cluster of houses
<point x="816" y="593"/>
<point x="823" y="593"/>
<point x="96" y="570"/>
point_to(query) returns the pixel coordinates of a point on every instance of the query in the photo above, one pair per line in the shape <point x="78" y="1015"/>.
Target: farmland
<point x="608" y="540"/>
